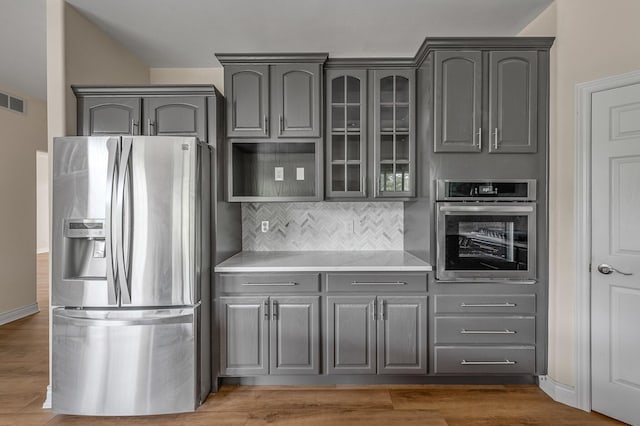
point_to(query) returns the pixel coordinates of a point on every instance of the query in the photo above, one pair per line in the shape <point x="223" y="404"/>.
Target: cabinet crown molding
<point x="146" y="90"/>
<point x="270" y="58"/>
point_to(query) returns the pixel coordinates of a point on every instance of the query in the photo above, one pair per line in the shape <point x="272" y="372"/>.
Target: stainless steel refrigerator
<point x="131" y="271"/>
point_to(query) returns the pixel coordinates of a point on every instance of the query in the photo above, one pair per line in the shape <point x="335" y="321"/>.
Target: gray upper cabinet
<point x="458" y="101"/>
<point x="151" y="110"/>
<point x="394" y="135"/>
<point x="402" y="335"/>
<point x="346" y="140"/>
<point x="247" y="97"/>
<point x="513" y="107"/>
<point x="109" y="116"/>
<point x="296" y="91"/>
<point x="505" y="120"/>
<point x="176" y="116"/>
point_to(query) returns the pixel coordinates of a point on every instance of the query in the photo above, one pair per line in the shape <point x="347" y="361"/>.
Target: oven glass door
<point x="486" y="241"/>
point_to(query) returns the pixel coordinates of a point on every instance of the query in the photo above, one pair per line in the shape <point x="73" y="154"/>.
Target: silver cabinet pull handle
<point x="378" y="283"/>
<point x="374" y="309"/>
<point x="281" y="123"/>
<point x="134" y="124"/>
<point x="274" y="314"/>
<point x="266" y="125"/>
<point x="150" y="126"/>
<point x="463" y="331"/>
<point x="487" y="305"/>
<point x="495" y="138"/>
<point x="266" y="309"/>
<point x="382" y="310"/>
<point x="605" y="269"/>
<point x="268" y="284"/>
<point x="505" y="362"/>
<point x="480" y="139"/>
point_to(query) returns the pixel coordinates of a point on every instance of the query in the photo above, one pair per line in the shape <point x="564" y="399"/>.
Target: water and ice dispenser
<point x="84" y="249"/>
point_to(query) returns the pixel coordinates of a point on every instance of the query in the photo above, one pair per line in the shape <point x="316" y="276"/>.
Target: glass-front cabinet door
<point x="347" y="128"/>
<point x="394" y="138"/>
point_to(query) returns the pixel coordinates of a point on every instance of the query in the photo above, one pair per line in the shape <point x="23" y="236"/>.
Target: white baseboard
<point x="42" y="250"/>
<point x="16" y="314"/>
<point x="47" y="401"/>
<point x="559" y="392"/>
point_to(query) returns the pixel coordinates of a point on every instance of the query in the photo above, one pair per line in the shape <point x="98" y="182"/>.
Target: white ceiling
<point x="187" y="33"/>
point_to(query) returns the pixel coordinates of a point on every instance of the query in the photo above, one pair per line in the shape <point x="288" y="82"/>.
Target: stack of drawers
<point x="484" y="333"/>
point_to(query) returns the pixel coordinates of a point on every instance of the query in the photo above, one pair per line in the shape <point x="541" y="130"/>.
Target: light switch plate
<point x="299" y="173"/>
<point x="279" y="173"/>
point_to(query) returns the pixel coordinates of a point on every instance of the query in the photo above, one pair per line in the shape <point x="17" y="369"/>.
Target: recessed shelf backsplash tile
<point x="323" y="226"/>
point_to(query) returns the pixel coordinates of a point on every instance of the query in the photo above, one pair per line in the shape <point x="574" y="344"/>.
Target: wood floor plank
<point x="24" y="370"/>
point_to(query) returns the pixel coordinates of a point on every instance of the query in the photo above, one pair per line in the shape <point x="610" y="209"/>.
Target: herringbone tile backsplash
<point x="323" y="226"/>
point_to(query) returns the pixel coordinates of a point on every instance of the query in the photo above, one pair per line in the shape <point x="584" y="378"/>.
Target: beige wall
<point x="213" y="76"/>
<point x="21" y="135"/>
<point x="595" y="39"/>
<point x="93" y="57"/>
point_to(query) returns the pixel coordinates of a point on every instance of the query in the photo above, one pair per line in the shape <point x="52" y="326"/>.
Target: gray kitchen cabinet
<point x="243" y="327"/>
<point x="457" y="112"/>
<point x="346" y="146"/>
<point x="247" y="99"/>
<point x="269" y="335"/>
<point x="506" y="121"/>
<point x="296" y="99"/>
<point x="176" y="116"/>
<point x="513" y="107"/>
<point x="106" y="116"/>
<point x="394" y="135"/>
<point x="369" y="334"/>
<point x="152" y="110"/>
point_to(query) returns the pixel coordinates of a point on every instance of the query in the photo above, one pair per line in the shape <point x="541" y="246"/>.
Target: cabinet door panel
<point x="458" y="101"/>
<point x="176" y="116"/>
<point x="243" y="336"/>
<point x="247" y="97"/>
<point x="513" y="105"/>
<point x="351" y="337"/>
<point x="294" y="336"/>
<point x="109" y="116"/>
<point x="297" y="100"/>
<point x="402" y="335"/>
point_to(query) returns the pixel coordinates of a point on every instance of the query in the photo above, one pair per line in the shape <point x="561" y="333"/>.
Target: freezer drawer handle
<point x="378" y="283"/>
<point x="180" y="319"/>
<point x="463" y="331"/>
<point x="487" y="305"/>
<point x="268" y="284"/>
<point x="505" y="362"/>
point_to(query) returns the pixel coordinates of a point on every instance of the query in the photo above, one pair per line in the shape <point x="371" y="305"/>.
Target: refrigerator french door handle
<point x="112" y="148"/>
<point x="123" y="279"/>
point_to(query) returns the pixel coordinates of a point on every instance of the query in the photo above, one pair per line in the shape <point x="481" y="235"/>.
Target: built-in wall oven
<point x="486" y="230"/>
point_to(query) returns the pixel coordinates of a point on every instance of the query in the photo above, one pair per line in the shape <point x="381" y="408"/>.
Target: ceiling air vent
<point x="11" y="102"/>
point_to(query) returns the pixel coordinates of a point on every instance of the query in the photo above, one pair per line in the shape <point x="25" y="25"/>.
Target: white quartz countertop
<point x="296" y="261"/>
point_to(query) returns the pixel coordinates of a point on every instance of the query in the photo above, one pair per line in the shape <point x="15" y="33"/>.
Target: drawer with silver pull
<point x="485" y="304"/>
<point x="261" y="283"/>
<point x="485" y="330"/>
<point x="484" y="360"/>
<point x="396" y="282"/>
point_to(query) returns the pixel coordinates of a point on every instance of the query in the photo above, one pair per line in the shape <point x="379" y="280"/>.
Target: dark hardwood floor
<point x="24" y="378"/>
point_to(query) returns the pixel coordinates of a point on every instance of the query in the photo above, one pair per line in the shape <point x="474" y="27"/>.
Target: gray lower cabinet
<point x="269" y="335"/>
<point x="506" y="121"/>
<point x="147" y="110"/>
<point x="369" y="334"/>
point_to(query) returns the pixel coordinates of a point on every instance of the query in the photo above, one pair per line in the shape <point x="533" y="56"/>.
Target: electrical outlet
<point x="299" y="173"/>
<point x="265" y="226"/>
<point x="279" y="174"/>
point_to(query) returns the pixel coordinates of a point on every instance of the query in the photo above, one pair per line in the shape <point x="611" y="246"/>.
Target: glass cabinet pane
<point x="353" y="147"/>
<point x="402" y="147"/>
<point x="337" y="148"/>
<point x="353" y="117"/>
<point x="353" y="177"/>
<point x="386" y="118"/>
<point x="386" y="89"/>
<point x="353" y="90"/>
<point x="337" y="117"/>
<point x="402" y="118"/>
<point x="386" y="148"/>
<point x="337" y="177"/>
<point x="402" y="89"/>
<point x="402" y="178"/>
<point x="337" y="90"/>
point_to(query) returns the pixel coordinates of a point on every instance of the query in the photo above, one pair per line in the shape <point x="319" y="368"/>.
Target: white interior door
<point x="615" y="272"/>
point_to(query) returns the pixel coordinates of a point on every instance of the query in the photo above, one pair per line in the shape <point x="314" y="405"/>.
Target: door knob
<point x="605" y="269"/>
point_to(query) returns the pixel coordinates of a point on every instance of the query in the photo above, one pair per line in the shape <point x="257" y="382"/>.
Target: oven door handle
<point x="482" y="209"/>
